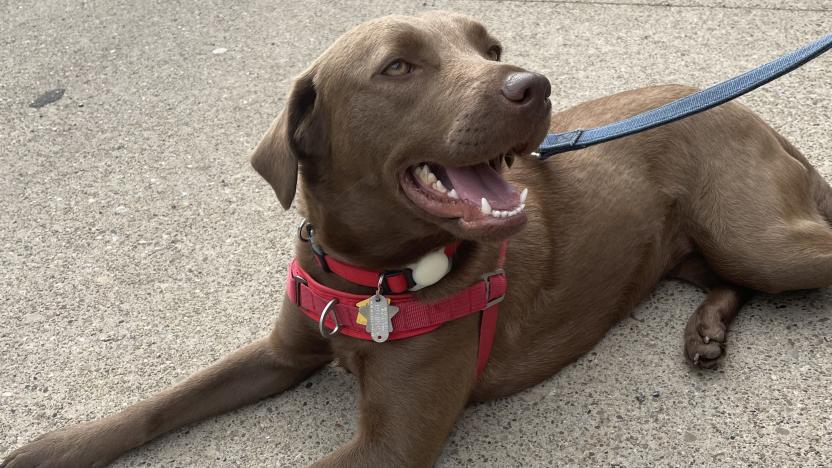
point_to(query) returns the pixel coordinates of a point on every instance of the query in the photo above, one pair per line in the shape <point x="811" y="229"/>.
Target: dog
<point x="410" y="139"/>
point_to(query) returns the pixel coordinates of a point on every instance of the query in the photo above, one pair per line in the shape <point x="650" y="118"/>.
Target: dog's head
<point x="401" y="128"/>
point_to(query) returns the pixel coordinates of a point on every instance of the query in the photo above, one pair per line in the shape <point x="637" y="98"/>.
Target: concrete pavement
<point x="137" y="245"/>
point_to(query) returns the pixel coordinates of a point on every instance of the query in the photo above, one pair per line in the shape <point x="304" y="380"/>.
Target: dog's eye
<point x="397" y="68"/>
<point x="495" y="52"/>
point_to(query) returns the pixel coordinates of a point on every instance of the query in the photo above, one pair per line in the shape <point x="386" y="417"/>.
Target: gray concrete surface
<point x="137" y="245"/>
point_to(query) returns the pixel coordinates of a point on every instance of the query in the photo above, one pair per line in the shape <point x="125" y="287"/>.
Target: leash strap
<point x="721" y="93"/>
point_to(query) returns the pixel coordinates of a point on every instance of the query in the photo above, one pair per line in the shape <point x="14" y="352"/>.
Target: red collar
<point x="336" y="311"/>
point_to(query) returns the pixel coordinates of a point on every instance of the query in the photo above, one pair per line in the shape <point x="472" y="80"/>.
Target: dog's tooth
<point x="423" y="176"/>
<point x="438" y="186"/>
<point x="485" y="207"/>
<point x="431" y="177"/>
<point x="523" y="195"/>
<point x="519" y="208"/>
<point x="453" y="194"/>
<point x="497" y="213"/>
<point x="421" y="173"/>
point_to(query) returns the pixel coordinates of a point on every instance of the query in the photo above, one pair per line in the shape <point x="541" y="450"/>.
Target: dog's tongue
<point x="472" y="183"/>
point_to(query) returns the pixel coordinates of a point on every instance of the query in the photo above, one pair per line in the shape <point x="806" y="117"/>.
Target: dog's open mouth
<point x="477" y="195"/>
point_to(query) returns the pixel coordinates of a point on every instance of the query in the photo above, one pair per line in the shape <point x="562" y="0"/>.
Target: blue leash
<point x="721" y="93"/>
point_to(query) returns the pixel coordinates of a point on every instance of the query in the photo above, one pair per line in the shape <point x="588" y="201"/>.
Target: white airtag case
<point x="430" y="269"/>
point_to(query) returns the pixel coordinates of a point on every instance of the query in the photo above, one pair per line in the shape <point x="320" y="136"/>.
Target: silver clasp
<point x="298" y="281"/>
<point x="487" y="278"/>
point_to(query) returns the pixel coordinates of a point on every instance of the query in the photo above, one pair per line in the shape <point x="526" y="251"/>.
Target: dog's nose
<point x="523" y="87"/>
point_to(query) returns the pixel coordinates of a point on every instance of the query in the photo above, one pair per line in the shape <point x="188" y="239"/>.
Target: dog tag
<point x="378" y="313"/>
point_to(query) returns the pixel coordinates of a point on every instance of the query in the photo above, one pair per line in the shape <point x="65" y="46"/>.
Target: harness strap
<point x="721" y="93"/>
<point x="488" y="321"/>
<point x="395" y="281"/>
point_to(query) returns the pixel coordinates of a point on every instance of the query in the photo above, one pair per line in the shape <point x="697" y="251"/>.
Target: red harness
<point x="337" y="311"/>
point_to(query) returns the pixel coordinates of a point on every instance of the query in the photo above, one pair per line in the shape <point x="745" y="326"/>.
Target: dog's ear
<point x="296" y="134"/>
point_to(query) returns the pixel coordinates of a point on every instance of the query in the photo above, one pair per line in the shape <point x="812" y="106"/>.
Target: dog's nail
<point x="486" y="207"/>
<point x="523" y="195"/>
<point x="707" y="339"/>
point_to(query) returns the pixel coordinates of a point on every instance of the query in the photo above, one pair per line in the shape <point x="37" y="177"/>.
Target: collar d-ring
<point x="329" y="309"/>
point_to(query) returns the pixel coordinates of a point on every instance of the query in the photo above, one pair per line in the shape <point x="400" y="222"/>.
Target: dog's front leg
<point x="412" y="392"/>
<point x="260" y="369"/>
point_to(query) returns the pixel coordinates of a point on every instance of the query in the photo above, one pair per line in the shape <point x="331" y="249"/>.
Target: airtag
<point x="430" y="269"/>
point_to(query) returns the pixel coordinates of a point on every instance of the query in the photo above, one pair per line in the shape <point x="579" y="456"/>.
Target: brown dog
<point x="719" y="199"/>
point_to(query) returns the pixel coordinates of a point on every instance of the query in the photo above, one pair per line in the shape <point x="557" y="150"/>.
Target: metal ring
<point x="308" y="227"/>
<point x="380" y="283"/>
<point x="327" y="309"/>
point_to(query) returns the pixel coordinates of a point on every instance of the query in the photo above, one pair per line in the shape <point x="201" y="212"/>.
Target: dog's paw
<point x="705" y="338"/>
<point x="77" y="446"/>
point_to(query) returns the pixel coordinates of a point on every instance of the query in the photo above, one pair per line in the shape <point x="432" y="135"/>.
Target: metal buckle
<point x="487" y="278"/>
<point x="327" y="310"/>
<point x="298" y="281"/>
